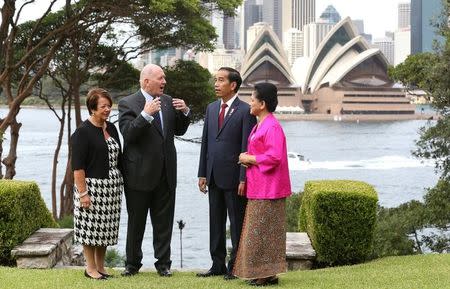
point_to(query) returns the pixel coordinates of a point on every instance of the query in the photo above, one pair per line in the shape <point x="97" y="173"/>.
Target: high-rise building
<point x="293" y="44"/>
<point x="216" y="20"/>
<point x="220" y="57"/>
<point x="389" y="34"/>
<point x="313" y="34"/>
<point x="330" y="15"/>
<point x="359" y="25"/>
<point x="404" y="15"/>
<point x="229" y="32"/>
<point x="386" y="45"/>
<point x="252" y="13"/>
<point x="423" y="33"/>
<point x="303" y="12"/>
<point x="271" y="13"/>
<point x="402" y="45"/>
<point x="286" y="18"/>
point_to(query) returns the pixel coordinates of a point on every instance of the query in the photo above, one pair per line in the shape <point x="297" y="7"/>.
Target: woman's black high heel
<point x="105" y="274"/>
<point x="90" y="277"/>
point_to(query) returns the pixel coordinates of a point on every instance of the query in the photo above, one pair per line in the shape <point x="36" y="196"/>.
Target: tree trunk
<point x="66" y="192"/>
<point x="10" y="160"/>
<point x="66" y="189"/>
<point x="55" y="162"/>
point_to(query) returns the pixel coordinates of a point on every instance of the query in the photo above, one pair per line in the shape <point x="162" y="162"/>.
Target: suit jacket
<point x="220" y="149"/>
<point x="149" y="153"/>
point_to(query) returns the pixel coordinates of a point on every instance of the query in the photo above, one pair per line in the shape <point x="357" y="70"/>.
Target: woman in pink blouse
<point x="262" y="248"/>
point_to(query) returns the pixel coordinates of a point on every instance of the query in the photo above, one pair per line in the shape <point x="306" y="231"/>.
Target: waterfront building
<point x="348" y="76"/>
<point x="266" y="61"/>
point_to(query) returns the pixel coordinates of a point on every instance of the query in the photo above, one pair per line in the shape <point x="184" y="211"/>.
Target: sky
<point x="378" y="15"/>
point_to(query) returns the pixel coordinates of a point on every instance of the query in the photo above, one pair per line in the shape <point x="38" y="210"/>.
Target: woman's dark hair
<point x="93" y="96"/>
<point x="233" y="76"/>
<point x="267" y="92"/>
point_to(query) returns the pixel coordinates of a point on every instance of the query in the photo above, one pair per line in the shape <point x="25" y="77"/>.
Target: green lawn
<point x="411" y="272"/>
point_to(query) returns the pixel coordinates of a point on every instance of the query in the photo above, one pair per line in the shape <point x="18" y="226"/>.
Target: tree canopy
<point x="192" y="83"/>
<point x="431" y="72"/>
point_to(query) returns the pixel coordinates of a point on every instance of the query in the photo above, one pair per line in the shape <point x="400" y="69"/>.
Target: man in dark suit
<point x="227" y="126"/>
<point x="148" y="121"/>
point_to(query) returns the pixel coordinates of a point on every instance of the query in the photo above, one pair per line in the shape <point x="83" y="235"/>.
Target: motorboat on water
<point x="297" y="161"/>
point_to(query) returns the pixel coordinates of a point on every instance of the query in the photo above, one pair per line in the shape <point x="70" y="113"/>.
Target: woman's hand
<point x="242" y="159"/>
<point x="247" y="160"/>
<point x="85" y="201"/>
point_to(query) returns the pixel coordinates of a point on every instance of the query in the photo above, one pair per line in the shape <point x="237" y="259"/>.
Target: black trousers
<point x="222" y="202"/>
<point x="161" y="204"/>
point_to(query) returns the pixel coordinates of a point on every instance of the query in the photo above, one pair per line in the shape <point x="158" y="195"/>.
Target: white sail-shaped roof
<point x="339" y="52"/>
<point x="266" y="48"/>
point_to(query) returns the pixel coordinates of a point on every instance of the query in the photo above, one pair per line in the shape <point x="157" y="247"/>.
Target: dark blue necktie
<point x="157" y="120"/>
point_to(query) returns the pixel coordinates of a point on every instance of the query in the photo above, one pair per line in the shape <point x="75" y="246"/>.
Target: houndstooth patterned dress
<point x="98" y="225"/>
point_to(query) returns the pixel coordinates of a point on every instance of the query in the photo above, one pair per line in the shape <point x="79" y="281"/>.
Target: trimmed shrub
<point x="292" y="207"/>
<point x="22" y="212"/>
<point x="114" y="259"/>
<point x="339" y="217"/>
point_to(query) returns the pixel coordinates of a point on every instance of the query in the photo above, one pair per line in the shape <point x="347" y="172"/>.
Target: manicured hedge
<point x="339" y="217"/>
<point x="22" y="211"/>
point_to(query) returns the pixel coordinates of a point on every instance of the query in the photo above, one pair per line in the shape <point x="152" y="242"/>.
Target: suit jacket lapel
<point x="140" y="102"/>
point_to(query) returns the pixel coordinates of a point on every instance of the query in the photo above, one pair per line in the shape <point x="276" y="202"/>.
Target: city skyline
<point x="368" y="10"/>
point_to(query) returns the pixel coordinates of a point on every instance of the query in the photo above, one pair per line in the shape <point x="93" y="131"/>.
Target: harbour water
<point x="375" y="152"/>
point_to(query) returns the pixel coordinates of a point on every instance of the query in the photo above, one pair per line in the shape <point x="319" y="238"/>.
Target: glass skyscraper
<point x="423" y="32"/>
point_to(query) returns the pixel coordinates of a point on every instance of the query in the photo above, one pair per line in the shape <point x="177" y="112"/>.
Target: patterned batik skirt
<point x="262" y="247"/>
<point x="98" y="225"/>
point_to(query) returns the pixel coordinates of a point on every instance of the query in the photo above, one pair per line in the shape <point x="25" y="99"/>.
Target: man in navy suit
<point x="227" y="125"/>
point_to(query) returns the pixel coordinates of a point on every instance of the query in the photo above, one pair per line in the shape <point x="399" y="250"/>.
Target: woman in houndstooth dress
<point x="96" y="157"/>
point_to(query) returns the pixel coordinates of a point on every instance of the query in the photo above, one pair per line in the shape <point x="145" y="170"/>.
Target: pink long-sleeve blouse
<point x="269" y="178"/>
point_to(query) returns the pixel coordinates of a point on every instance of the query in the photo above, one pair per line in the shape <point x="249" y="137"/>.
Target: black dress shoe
<point x="229" y="276"/>
<point x="210" y="273"/>
<point x="164" y="272"/>
<point x="86" y="274"/>
<point x="129" y="272"/>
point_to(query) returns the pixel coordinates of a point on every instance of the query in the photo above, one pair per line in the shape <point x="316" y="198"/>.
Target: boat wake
<point x="379" y="163"/>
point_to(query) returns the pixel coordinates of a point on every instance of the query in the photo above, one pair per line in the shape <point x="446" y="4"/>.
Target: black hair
<point x="267" y="92"/>
<point x="233" y="76"/>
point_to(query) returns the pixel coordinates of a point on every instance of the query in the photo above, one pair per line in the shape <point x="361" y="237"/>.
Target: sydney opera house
<point x="345" y="75"/>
